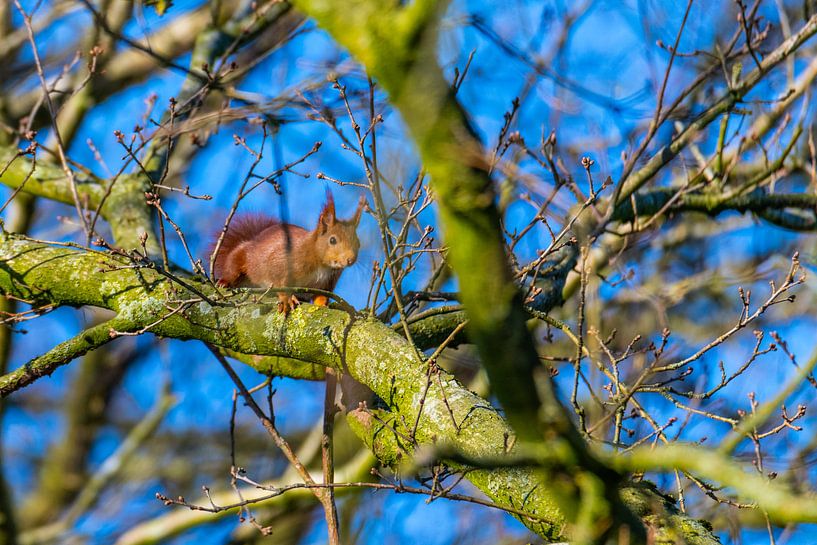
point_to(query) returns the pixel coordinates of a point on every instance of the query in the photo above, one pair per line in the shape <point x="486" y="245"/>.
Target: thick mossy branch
<point x="123" y="206"/>
<point x="429" y="329"/>
<point x="769" y="206"/>
<point x="128" y="214"/>
<point x="279" y="366"/>
<point x="46" y="179"/>
<point x="778" y="501"/>
<point x="382" y="432"/>
<point x="369" y="350"/>
<point x="668" y="525"/>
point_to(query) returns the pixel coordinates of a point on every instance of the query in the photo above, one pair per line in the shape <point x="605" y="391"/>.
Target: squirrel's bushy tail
<point x="228" y="267"/>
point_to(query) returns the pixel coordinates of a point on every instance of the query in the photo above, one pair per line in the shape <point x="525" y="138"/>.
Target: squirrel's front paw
<point x="287" y="302"/>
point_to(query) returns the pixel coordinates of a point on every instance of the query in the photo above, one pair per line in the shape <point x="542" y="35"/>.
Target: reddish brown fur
<point x="259" y="251"/>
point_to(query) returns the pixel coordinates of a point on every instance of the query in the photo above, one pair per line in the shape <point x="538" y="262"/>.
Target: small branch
<point x="321" y="494"/>
<point x="63" y="353"/>
<point x="328" y="455"/>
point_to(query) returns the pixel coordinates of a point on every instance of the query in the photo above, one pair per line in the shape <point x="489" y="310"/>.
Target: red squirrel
<point x="259" y="251"/>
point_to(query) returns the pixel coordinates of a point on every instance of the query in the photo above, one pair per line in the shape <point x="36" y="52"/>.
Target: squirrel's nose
<point x="350" y="260"/>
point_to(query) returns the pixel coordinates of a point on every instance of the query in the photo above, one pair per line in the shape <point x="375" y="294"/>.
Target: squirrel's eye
<point x="333" y="240"/>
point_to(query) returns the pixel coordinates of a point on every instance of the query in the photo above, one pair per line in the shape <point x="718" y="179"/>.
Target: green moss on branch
<point x="769" y="206"/>
<point x="369" y="350"/>
<point x="63" y="353"/>
<point x="46" y="179"/>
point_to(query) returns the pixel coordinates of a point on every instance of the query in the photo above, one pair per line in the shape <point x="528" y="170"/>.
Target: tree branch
<point x="651" y="202"/>
<point x="728" y="101"/>
<point x="367" y="349"/>
<point x="64" y="353"/>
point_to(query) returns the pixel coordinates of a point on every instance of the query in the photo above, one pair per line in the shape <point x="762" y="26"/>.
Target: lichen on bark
<point x="310" y="337"/>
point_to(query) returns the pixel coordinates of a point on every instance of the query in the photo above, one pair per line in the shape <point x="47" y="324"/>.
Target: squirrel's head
<point x="336" y="240"/>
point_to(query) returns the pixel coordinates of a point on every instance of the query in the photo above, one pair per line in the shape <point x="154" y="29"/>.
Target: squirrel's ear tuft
<point x="327" y="217"/>
<point x="360" y="206"/>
